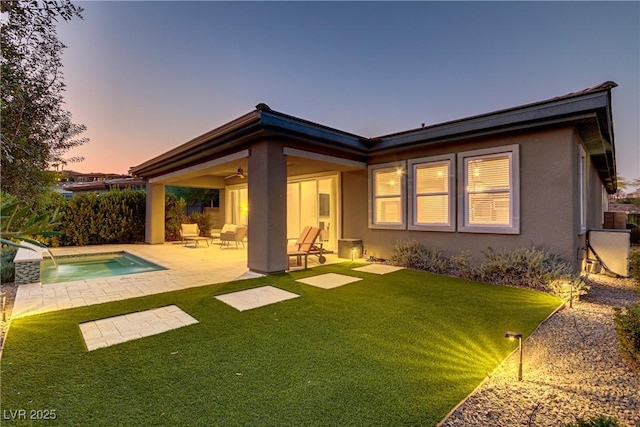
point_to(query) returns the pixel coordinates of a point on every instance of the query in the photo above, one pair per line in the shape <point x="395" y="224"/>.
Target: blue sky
<point x="145" y="77"/>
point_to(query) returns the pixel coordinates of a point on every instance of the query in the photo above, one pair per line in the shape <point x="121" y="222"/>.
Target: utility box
<point x="350" y="248"/>
<point x="611" y="248"/>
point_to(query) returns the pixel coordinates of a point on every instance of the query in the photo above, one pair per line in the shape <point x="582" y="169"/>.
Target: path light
<point x="353" y="253"/>
<point x="518" y="336"/>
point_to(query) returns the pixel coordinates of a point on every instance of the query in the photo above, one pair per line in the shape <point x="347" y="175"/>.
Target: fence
<point x="633" y="224"/>
<point x="194" y="209"/>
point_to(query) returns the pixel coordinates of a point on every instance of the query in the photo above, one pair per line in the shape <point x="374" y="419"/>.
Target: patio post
<point x="267" y="228"/>
<point x="154" y="220"/>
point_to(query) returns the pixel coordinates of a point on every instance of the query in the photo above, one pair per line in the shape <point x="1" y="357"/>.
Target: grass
<point x="403" y="348"/>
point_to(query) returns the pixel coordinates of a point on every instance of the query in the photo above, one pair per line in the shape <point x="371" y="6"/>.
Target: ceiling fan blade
<point x="239" y="173"/>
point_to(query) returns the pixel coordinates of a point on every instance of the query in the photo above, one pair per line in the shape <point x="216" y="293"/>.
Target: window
<point x="432" y="191"/>
<point x="387" y="196"/>
<point x="490" y="194"/>
<point x="582" y="183"/>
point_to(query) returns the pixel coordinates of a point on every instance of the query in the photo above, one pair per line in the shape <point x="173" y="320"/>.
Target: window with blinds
<point x="491" y="195"/>
<point x="432" y="188"/>
<point x="431" y="183"/>
<point x="387" y="193"/>
<point x="489" y="190"/>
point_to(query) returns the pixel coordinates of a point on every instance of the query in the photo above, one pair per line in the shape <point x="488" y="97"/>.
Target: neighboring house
<point x="536" y="174"/>
<point x="104" y="185"/>
<point x="69" y="176"/>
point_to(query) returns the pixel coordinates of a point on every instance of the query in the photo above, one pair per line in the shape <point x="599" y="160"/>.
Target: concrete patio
<point x="186" y="267"/>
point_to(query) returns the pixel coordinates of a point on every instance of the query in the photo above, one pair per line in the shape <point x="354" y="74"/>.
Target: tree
<point x="36" y="130"/>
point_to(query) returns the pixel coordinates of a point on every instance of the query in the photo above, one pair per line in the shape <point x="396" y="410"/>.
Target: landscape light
<point x="512" y="336"/>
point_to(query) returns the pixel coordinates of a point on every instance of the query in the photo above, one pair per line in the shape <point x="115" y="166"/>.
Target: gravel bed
<point x="572" y="369"/>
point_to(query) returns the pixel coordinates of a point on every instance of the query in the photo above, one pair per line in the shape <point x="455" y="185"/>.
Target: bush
<point x="411" y="254"/>
<point x="78" y="226"/>
<point x="112" y="217"/>
<point x="599" y="421"/>
<point x="204" y="222"/>
<point x="534" y="268"/>
<point x="635" y="266"/>
<point x="174" y="207"/>
<point x="461" y="266"/>
<point x="7" y="268"/>
<point x="627" y="323"/>
<point x="121" y="216"/>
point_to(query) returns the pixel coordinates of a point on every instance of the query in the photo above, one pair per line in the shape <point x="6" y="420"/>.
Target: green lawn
<point x="403" y="348"/>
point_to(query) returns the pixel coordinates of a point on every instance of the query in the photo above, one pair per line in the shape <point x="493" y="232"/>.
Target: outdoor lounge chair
<point x="306" y="245"/>
<point x="191" y="233"/>
<point x="232" y="233"/>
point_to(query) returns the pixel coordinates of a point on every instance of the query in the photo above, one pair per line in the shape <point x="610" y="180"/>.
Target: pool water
<point x="93" y="266"/>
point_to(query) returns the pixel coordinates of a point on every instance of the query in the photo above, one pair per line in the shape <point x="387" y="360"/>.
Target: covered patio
<point x="261" y="153"/>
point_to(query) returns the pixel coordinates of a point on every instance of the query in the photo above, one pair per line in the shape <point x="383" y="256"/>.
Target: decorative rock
<point x="573" y="369"/>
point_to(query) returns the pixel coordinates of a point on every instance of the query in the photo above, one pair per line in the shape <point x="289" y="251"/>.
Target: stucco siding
<point x="547" y="190"/>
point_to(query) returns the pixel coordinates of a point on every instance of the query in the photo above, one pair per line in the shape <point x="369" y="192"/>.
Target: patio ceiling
<point x="212" y="174"/>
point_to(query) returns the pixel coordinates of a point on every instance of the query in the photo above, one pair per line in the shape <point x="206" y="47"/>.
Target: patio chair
<point x="191" y="233"/>
<point x="232" y="233"/>
<point x="296" y="246"/>
<point x="306" y="245"/>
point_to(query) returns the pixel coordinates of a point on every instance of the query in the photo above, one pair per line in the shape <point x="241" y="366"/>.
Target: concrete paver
<point x="329" y="280"/>
<point x="378" y="269"/>
<point x="127" y="327"/>
<point x="256" y="297"/>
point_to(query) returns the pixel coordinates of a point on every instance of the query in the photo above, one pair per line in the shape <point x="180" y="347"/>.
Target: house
<point x="104" y="185"/>
<point x="536" y="174"/>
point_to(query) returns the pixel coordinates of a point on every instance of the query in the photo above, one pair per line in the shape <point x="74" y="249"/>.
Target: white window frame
<point x="582" y="189"/>
<point x="413" y="165"/>
<point x="372" y="170"/>
<point x="513" y="152"/>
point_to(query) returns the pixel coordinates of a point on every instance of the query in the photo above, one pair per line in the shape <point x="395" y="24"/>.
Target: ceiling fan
<point x="239" y="173"/>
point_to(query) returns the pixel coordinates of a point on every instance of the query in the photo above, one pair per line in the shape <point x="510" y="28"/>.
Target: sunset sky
<point x="145" y="77"/>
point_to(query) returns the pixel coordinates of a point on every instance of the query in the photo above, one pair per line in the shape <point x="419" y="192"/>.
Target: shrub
<point x="534" y="268"/>
<point x="569" y="289"/>
<point x="599" y="421"/>
<point x="635" y="266"/>
<point x="461" y="266"/>
<point x="7" y="268"/>
<point x="411" y="254"/>
<point x="121" y="216"/>
<point x="627" y="323"/>
<point x="79" y="225"/>
<point x="46" y="203"/>
<point x="204" y="222"/>
<point x="174" y="207"/>
<point x="112" y="217"/>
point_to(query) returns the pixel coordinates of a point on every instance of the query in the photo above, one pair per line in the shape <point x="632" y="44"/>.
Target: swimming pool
<point x="93" y="266"/>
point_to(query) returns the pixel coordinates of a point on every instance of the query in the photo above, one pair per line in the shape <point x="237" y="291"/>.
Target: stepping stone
<point x="329" y="280"/>
<point x="127" y="327"/>
<point x="378" y="269"/>
<point x="256" y="297"/>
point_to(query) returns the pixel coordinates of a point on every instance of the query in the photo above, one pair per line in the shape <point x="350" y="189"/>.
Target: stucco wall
<point x="548" y="194"/>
